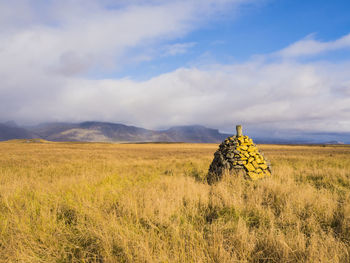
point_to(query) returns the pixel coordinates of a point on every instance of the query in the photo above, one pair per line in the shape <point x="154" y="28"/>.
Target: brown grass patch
<point x="71" y="202"/>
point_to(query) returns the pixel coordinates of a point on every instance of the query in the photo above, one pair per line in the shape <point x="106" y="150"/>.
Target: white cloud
<point x="71" y="37"/>
<point x="310" y="46"/>
<point x="178" y="48"/>
<point x="275" y="95"/>
<point x="45" y="45"/>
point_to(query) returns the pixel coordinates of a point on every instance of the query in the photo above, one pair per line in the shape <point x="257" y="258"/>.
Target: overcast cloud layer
<point x="48" y="50"/>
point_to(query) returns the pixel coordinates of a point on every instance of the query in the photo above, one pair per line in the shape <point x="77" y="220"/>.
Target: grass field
<point x="82" y="202"/>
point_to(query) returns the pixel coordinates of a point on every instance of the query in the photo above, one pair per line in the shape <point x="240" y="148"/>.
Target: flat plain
<point x="101" y="202"/>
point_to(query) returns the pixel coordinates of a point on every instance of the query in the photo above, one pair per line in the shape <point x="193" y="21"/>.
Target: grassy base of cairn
<point x="240" y="155"/>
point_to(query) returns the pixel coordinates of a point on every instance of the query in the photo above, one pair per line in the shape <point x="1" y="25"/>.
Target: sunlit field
<point x="90" y="202"/>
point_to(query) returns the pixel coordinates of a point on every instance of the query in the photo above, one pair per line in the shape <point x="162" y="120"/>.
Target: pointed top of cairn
<point x="239" y="130"/>
<point x="238" y="154"/>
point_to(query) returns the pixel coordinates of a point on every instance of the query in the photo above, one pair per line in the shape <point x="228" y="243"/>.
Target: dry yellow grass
<point x="76" y="202"/>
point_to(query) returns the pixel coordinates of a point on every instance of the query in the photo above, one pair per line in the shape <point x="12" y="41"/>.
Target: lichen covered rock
<point x="238" y="154"/>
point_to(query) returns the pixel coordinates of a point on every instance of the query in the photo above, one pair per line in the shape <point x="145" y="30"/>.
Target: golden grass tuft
<point x="91" y="202"/>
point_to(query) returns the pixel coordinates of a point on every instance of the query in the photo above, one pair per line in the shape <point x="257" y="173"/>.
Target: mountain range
<point x="109" y="132"/>
<point x="94" y="131"/>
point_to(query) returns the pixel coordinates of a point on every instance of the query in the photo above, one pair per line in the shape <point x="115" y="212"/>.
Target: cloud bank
<point x="49" y="51"/>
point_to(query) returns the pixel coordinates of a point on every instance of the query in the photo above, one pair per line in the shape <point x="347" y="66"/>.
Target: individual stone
<point x="255" y="164"/>
<point x="263" y="166"/>
<point x="229" y="155"/>
<point x="243" y="148"/>
<point x="251" y="149"/>
<point x="258" y="171"/>
<point x="249" y="167"/>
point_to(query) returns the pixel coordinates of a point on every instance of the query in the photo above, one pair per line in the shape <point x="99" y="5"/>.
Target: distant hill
<point x="297" y="137"/>
<point x="195" y="133"/>
<point x="113" y="132"/>
<point x="9" y="132"/>
<point x="94" y="131"/>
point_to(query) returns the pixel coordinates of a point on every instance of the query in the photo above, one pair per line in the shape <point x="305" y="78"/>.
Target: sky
<point x="265" y="64"/>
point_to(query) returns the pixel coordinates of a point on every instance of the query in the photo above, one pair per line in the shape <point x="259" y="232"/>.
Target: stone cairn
<point x="240" y="155"/>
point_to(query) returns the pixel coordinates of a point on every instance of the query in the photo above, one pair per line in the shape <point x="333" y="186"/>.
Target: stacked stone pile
<point x="239" y="154"/>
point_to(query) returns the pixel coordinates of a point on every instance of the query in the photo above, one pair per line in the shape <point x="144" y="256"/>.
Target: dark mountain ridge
<point x="116" y="132"/>
<point x="94" y="131"/>
<point x="195" y="133"/>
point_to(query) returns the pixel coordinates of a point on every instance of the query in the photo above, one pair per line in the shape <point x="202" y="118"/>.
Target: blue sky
<point x="268" y="64"/>
<point x="257" y="28"/>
